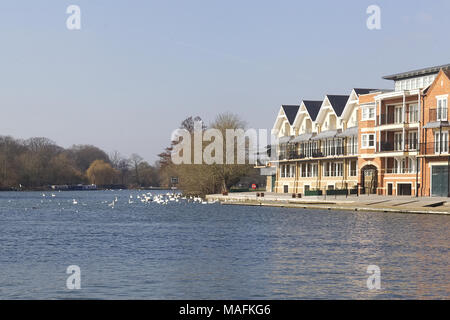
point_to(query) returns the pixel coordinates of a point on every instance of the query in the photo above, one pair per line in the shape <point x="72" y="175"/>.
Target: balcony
<point x="385" y="119"/>
<point x="397" y="146"/>
<point x="435" y="148"/>
<point x="308" y="174"/>
<point x="391" y="118"/>
<point x="438" y="114"/>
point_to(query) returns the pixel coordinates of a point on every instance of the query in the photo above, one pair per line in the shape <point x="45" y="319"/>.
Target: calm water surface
<point x="195" y="251"/>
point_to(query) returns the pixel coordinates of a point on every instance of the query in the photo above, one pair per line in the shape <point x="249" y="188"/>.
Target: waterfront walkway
<point x="402" y="204"/>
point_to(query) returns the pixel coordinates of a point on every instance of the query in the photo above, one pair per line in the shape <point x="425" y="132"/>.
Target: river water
<point x="210" y="251"/>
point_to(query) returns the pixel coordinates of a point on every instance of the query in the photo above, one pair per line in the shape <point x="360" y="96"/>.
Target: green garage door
<point x="439" y="181"/>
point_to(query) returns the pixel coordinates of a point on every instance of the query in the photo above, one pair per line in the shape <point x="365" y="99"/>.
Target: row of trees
<point x="201" y="179"/>
<point x="39" y="162"/>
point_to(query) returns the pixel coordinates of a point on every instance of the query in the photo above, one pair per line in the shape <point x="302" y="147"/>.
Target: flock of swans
<point x="159" y="199"/>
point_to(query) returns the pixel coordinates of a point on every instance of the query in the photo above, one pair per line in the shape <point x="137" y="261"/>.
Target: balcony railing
<point x="308" y="174"/>
<point x="400" y="171"/>
<point x="437" y="114"/>
<point x="388" y="146"/>
<point x="435" y="148"/>
<point x="390" y="118"/>
<point x="332" y="173"/>
<point x="386" y="119"/>
<point x="329" y="151"/>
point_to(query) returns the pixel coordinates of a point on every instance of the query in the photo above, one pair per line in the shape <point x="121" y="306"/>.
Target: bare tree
<point x="135" y="161"/>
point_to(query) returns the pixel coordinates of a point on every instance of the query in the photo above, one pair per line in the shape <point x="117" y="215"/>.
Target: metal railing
<point x="400" y="170"/>
<point x="435" y="148"/>
<point x="408" y="145"/>
<point x="308" y="174"/>
<point x="386" y="119"/>
<point x="436" y="114"/>
<point x="390" y="118"/>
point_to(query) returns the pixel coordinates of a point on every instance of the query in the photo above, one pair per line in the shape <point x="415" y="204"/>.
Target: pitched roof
<point x="360" y="91"/>
<point x="338" y="103"/>
<point x="447" y="73"/>
<point x="313" y="107"/>
<point x="418" y="72"/>
<point x="291" y="112"/>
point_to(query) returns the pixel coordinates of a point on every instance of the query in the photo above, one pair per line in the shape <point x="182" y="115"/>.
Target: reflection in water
<point x="194" y="251"/>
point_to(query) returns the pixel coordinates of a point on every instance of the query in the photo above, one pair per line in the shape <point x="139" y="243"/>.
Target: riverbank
<point x="372" y="203"/>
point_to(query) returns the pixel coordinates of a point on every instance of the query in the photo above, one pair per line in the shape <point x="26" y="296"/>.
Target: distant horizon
<point x="133" y="72"/>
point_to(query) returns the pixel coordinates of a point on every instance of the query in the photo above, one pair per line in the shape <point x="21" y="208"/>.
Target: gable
<point x="338" y="103"/>
<point x="440" y="85"/>
<point x="291" y="112"/>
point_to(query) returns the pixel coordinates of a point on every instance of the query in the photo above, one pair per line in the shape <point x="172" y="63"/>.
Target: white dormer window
<point x="404" y="85"/>
<point x="408" y="84"/>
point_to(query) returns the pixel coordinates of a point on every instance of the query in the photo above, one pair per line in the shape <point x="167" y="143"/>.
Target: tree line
<point x="37" y="163"/>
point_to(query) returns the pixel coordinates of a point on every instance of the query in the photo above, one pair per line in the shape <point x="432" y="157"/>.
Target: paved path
<point x="403" y="204"/>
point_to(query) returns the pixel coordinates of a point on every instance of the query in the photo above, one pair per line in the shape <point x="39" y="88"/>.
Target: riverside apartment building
<point x="385" y="142"/>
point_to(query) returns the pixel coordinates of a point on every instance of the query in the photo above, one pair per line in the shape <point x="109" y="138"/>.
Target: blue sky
<point x="138" y="68"/>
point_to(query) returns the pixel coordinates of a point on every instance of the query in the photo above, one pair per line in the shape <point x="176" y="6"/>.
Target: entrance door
<point x="439" y="181"/>
<point x="369" y="179"/>
<point x="286" y="189"/>
<point x="274" y="177"/>
<point x="389" y="189"/>
<point x="403" y="189"/>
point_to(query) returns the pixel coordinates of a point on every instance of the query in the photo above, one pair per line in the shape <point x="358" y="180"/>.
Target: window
<point x="368" y="113"/>
<point x="442" y="109"/>
<point x="339" y="167"/>
<point x="411" y="165"/>
<point x="292" y="171"/>
<point x="404" y="85"/>
<point x="333" y="169"/>
<point x="283" y="171"/>
<point x="398" y="141"/>
<point x="400" y="165"/>
<point x="308" y="170"/>
<point x="413" y="113"/>
<point x="412" y="140"/>
<point x="367" y="141"/>
<point x="398" y="114"/>
<point x="352" y="145"/>
<point x="420" y="82"/>
<point x="353" y="168"/>
<point x="313" y="169"/>
<point x="441" y="142"/>
<point x="326" y="171"/>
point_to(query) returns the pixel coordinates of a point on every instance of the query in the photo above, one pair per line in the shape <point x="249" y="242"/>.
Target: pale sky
<point x="136" y="69"/>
